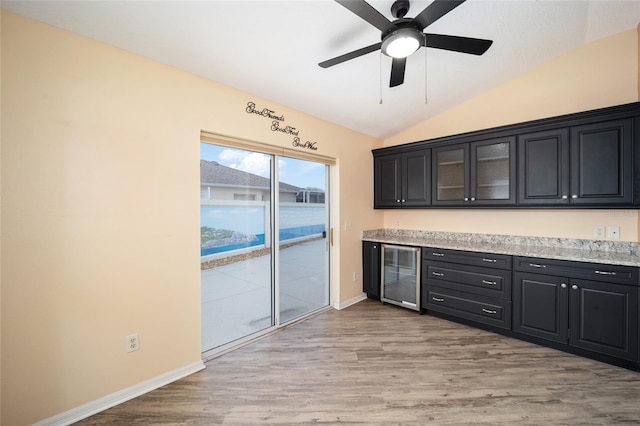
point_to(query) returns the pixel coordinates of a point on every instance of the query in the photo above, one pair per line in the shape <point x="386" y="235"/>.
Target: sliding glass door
<point x="303" y="257"/>
<point x="254" y="279"/>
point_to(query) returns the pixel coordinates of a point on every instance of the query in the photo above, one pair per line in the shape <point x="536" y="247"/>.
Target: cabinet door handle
<point x="484" y="259"/>
<point x="437" y="274"/>
<point x="437" y="299"/>
<point x="563" y="285"/>
<point x="574" y="196"/>
<point x="473" y="198"/>
<point x="537" y="265"/>
<point x="564" y="197"/>
<point x="605" y="273"/>
<point x="487" y="282"/>
<point x="403" y="201"/>
<point x="575" y="287"/>
<point x="489" y="311"/>
<point x="438" y="254"/>
<point x="397" y="201"/>
<point x="466" y="198"/>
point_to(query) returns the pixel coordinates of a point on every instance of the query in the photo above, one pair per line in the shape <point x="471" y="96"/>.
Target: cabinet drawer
<point x="589" y="271"/>
<point x="500" y="261"/>
<point x="469" y="306"/>
<point x="473" y="279"/>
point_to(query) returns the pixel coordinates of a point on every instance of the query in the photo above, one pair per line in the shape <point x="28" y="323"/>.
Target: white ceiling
<point x="272" y="48"/>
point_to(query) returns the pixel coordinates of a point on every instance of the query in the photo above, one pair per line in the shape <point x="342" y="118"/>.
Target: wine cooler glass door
<point x="400" y="276"/>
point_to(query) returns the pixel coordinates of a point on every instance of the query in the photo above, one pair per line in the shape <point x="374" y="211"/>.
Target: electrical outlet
<point x="598" y="231"/>
<point x="355" y="276"/>
<point x="133" y="342"/>
<point x="347" y="226"/>
<point x="614" y="232"/>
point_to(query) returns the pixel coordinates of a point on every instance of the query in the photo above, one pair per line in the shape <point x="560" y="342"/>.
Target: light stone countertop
<point x="594" y="251"/>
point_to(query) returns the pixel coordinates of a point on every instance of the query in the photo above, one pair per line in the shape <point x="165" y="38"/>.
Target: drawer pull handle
<point x="489" y="311"/>
<point x="438" y="254"/>
<point x="437" y="274"/>
<point x="605" y="273"/>
<point x="537" y="265"/>
<point x="437" y="299"/>
<point x="487" y="282"/>
<point x="484" y="259"/>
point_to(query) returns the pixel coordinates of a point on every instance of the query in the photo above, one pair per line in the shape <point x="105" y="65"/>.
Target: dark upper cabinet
<point x="387" y="188"/>
<point x="602" y="163"/>
<point x="450" y="171"/>
<point x="477" y="173"/>
<point x="402" y="180"/>
<point x="583" y="160"/>
<point x="543" y="167"/>
<point x="589" y="165"/>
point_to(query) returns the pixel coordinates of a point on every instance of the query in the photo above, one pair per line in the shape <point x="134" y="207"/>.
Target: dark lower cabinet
<point x="540" y="306"/>
<point x="587" y="309"/>
<point x="469" y="285"/>
<point x="597" y="316"/>
<point x="371" y="269"/>
<point x="603" y="318"/>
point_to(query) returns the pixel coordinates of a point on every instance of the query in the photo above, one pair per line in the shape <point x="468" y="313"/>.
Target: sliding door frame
<point x="277" y="152"/>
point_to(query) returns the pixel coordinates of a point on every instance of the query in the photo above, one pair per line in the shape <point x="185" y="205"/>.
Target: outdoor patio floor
<point x="237" y="298"/>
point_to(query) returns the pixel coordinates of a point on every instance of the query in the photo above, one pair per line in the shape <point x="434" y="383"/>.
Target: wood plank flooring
<point x="375" y="364"/>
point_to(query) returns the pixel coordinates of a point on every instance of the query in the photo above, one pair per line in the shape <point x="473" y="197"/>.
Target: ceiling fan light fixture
<point x="401" y="43"/>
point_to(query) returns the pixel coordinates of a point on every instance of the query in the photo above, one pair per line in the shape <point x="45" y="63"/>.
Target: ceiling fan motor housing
<point x="399" y="8"/>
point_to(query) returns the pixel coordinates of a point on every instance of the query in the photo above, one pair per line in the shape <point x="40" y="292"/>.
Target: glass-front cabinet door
<point x="450" y="168"/>
<point x="493" y="172"/>
<point x="476" y="173"/>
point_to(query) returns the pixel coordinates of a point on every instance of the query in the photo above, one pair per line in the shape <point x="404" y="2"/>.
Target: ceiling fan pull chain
<point x="380" y="78"/>
<point x="425" y="69"/>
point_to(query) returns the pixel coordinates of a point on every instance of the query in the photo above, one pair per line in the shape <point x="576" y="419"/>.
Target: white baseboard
<point x="352" y="301"/>
<point x="101" y="404"/>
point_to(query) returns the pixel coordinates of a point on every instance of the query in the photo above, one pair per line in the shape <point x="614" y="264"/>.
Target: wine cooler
<point x="400" y="284"/>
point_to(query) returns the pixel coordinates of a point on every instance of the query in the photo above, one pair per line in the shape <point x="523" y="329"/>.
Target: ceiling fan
<point x="404" y="36"/>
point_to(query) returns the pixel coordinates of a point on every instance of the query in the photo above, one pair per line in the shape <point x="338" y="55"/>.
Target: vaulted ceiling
<point x="272" y="48"/>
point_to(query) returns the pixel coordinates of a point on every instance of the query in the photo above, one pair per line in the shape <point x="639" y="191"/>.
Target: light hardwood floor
<point x="377" y="364"/>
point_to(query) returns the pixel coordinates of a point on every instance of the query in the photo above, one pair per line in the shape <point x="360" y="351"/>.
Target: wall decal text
<point x="276" y="126"/>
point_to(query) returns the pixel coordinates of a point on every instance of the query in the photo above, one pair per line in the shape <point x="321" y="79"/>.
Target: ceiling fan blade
<point x="397" y="71"/>
<point x="367" y="12"/>
<point x="351" y="55"/>
<point x="474" y="46"/>
<point x="435" y="11"/>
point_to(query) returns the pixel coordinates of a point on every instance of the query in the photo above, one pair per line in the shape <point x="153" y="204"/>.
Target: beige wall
<point x="600" y="74"/>
<point x="100" y="213"/>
